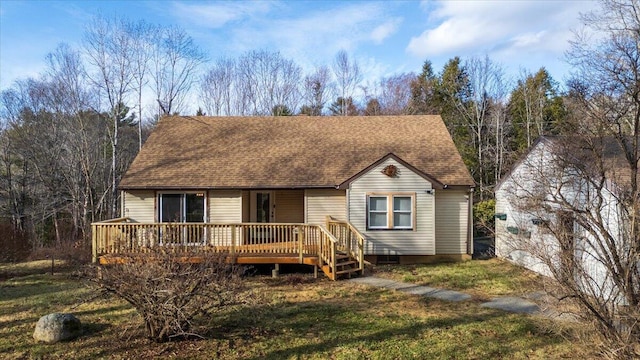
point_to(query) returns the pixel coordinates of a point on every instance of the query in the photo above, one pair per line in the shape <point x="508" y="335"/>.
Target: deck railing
<point x="327" y="250"/>
<point x="349" y="239"/>
<point x="118" y="236"/>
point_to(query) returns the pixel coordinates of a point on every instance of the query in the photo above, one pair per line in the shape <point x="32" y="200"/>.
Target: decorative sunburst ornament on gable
<point x="390" y="171"/>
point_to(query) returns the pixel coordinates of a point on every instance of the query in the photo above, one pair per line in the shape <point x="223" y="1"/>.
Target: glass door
<point x="194" y="207"/>
<point x="182" y="208"/>
<point x="171" y="208"/>
<point x="263" y="207"/>
<point x="262" y="211"/>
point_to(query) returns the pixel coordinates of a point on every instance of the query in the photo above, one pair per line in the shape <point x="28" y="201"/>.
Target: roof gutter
<point x="296" y="187"/>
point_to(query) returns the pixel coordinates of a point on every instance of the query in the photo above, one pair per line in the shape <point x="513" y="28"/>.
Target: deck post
<point x="276" y="271"/>
<point x="361" y="254"/>
<point x="333" y="261"/>
<point x="233" y="241"/>
<point x="320" y="247"/>
<point x="301" y="239"/>
<point x="94" y="244"/>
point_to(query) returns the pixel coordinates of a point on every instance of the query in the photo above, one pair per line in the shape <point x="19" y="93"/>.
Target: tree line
<point x="68" y="135"/>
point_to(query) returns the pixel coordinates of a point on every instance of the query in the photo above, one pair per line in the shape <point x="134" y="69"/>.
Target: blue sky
<point x="385" y="37"/>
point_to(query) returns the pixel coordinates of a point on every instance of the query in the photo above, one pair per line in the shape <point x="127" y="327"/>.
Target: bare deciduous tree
<point x="217" y="88"/>
<point x="175" y="62"/>
<point x="395" y="93"/>
<point x="142" y="35"/>
<point x="573" y="219"/>
<point x="108" y="47"/>
<point x="467" y="94"/>
<point x="267" y="79"/>
<point x="584" y="192"/>
<point x="316" y="90"/>
<point x="348" y="77"/>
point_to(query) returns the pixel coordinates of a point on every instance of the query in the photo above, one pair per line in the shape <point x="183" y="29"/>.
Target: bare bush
<point x="170" y="289"/>
<point x="14" y="242"/>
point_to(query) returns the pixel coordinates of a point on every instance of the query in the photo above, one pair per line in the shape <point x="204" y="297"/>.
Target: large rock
<point x="57" y="327"/>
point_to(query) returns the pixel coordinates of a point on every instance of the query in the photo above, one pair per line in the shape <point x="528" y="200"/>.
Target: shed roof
<point x="594" y="157"/>
<point x="186" y="152"/>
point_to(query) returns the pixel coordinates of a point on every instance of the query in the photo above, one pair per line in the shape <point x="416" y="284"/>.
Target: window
<point x="378" y="212"/>
<point x="402" y="218"/>
<point x="390" y="211"/>
<point x="182" y="207"/>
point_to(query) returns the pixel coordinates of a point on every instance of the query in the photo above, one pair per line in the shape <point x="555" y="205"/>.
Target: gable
<point x="530" y="160"/>
<point x="289" y="152"/>
<point x="400" y="168"/>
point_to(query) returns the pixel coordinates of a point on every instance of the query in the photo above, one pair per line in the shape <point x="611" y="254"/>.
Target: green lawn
<point x="481" y="278"/>
<point x="310" y="319"/>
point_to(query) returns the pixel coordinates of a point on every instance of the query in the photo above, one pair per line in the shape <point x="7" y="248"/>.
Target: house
<point x="560" y="211"/>
<point x="396" y="181"/>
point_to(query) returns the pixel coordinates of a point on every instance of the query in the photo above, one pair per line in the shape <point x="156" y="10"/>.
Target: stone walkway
<point x="505" y="303"/>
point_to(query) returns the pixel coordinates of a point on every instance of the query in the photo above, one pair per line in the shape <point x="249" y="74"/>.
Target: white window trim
<point x="411" y="211"/>
<point x="390" y="210"/>
<point x="369" y="211"/>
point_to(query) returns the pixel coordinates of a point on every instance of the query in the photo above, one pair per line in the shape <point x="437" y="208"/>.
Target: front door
<point x="263" y="207"/>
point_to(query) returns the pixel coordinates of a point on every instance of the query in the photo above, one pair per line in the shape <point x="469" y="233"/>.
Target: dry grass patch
<point x="9" y="270"/>
<point x="483" y="279"/>
<point x="301" y="318"/>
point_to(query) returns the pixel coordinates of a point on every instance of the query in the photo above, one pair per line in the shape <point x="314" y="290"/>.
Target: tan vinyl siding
<point x="225" y="206"/>
<point x="139" y="205"/>
<point x="319" y="203"/>
<point x="452" y="213"/>
<point x="289" y="206"/>
<point x="420" y="240"/>
<point x="246" y="206"/>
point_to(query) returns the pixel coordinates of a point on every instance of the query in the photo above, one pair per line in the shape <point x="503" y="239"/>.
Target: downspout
<point x="348" y="205"/>
<point x="470" y="224"/>
<point x="122" y="204"/>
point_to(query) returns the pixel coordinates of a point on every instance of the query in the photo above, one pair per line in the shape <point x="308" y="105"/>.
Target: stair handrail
<point x="357" y="254"/>
<point x="327" y="251"/>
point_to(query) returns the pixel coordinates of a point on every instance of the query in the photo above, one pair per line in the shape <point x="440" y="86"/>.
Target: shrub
<point x="483" y="214"/>
<point x="14" y="243"/>
<point x="170" y="289"/>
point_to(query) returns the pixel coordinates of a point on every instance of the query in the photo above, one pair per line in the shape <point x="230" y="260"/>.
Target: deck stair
<point x="345" y="266"/>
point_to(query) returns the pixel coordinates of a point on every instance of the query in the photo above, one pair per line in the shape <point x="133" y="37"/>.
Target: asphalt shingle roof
<point x="289" y="152"/>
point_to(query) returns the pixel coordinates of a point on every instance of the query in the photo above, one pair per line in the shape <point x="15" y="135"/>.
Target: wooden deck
<point x="337" y="248"/>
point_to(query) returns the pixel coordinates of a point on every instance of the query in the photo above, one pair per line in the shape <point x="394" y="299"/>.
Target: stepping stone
<point x="447" y="295"/>
<point x="512" y="304"/>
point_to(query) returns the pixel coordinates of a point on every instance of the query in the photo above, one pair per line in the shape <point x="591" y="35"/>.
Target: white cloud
<point x="528" y="39"/>
<point x="462" y="27"/>
<point x="318" y="33"/>
<point x="216" y="15"/>
<point x="383" y="31"/>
